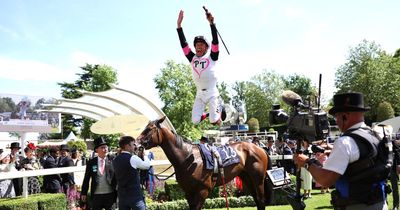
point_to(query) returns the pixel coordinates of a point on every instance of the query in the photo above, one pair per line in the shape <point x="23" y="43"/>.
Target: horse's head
<point x="151" y="136"/>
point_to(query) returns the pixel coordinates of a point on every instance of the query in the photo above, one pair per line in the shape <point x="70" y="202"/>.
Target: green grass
<point x="317" y="201"/>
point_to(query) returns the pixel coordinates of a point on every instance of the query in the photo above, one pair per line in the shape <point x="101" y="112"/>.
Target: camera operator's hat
<point x="99" y="142"/>
<point x="348" y="102"/>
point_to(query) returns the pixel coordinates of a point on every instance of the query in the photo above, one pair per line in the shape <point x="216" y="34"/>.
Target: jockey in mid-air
<point x="203" y="73"/>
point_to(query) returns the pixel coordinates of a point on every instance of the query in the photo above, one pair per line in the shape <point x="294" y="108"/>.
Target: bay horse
<point x="191" y="175"/>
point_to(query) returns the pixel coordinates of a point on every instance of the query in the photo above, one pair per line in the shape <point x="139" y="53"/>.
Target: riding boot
<point x="204" y="116"/>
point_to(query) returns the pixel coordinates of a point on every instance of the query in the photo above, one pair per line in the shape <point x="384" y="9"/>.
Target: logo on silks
<point x="200" y="65"/>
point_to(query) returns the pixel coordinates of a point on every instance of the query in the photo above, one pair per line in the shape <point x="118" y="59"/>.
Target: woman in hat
<point x="6" y="185"/>
<point x="203" y="72"/>
<point x="30" y="163"/>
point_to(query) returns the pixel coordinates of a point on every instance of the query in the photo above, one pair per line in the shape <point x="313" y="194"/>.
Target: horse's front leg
<point x="196" y="199"/>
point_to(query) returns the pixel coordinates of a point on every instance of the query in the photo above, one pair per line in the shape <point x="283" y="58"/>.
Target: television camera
<point x="304" y="123"/>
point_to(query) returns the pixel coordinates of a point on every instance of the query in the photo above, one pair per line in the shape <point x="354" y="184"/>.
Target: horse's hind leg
<point x="255" y="185"/>
<point x="196" y="200"/>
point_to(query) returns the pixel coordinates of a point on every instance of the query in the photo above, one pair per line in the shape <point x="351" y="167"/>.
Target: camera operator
<point x="353" y="190"/>
<point x="394" y="178"/>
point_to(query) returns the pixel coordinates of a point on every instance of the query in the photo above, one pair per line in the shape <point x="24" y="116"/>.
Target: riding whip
<point x="207" y="13"/>
<point x="223" y="184"/>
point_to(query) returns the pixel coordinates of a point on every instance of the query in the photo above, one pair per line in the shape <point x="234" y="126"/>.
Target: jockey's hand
<point x="210" y="18"/>
<point x="180" y="19"/>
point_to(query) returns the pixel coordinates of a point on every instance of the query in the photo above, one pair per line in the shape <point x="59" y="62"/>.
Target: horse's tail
<point x="268" y="186"/>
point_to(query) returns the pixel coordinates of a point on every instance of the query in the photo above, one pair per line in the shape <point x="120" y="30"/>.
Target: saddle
<point x="218" y="157"/>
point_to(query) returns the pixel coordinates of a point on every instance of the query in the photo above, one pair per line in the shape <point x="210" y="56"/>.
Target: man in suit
<point x="101" y="173"/>
<point x="67" y="179"/>
<point x="130" y="194"/>
<point x="52" y="183"/>
<point x="16" y="158"/>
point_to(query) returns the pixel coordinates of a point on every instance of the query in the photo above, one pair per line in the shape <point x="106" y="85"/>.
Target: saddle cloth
<point x="228" y="155"/>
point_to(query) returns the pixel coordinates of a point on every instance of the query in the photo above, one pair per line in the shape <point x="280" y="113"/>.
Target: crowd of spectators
<point x="34" y="159"/>
<point x="74" y="185"/>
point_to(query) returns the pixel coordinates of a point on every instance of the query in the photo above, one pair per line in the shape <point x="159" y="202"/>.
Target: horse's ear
<point x="159" y="121"/>
<point x="162" y="119"/>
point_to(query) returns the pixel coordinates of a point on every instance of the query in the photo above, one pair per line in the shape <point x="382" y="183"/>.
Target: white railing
<point x="50" y="171"/>
<point x="42" y="172"/>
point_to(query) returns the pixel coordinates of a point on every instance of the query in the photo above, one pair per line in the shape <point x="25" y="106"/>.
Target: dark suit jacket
<point x="53" y="181"/>
<point x="67" y="178"/>
<point x="91" y="174"/>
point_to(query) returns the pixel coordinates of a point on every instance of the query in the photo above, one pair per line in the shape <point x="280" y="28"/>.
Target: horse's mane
<point x="181" y="139"/>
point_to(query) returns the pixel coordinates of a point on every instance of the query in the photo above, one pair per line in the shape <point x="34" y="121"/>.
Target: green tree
<point x="95" y="78"/>
<point x="239" y="88"/>
<point x="78" y="145"/>
<point x="224" y="93"/>
<point x="254" y="126"/>
<point x="397" y="53"/>
<point x="259" y="94"/>
<point x="302" y="86"/>
<point x="374" y="73"/>
<point x="384" y="111"/>
<point x="177" y="91"/>
<point x="7" y="105"/>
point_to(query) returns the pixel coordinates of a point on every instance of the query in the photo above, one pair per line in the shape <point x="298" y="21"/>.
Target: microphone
<point x="293" y="99"/>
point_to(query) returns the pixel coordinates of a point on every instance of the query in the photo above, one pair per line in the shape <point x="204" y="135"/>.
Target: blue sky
<point x="45" y="42"/>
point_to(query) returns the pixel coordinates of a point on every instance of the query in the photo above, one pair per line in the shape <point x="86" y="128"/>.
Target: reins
<point x="161" y="175"/>
<point x="158" y="175"/>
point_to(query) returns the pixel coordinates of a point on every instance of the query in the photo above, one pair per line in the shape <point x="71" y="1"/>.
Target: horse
<point x="191" y="175"/>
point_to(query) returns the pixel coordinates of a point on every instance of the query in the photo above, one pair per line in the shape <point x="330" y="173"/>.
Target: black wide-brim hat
<point x="348" y="102"/>
<point x="99" y="142"/>
<point x="15" y="145"/>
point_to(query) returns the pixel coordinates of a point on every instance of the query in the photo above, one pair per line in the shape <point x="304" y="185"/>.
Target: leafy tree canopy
<point x="374" y="73"/>
<point x="94" y="78"/>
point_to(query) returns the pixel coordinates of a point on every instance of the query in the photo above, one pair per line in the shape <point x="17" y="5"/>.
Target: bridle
<point x="149" y="135"/>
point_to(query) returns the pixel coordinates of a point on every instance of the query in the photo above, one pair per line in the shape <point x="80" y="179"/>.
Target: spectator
<point x="130" y="195"/>
<point x="41" y="156"/>
<point x="256" y="141"/>
<point x="287" y="164"/>
<point x="270" y="148"/>
<point x="52" y="183"/>
<point x="152" y="182"/>
<point x="30" y="163"/>
<point x="6" y="185"/>
<point x="101" y="173"/>
<point x="16" y="158"/>
<point x="292" y="145"/>
<point x="67" y="179"/>
<point x="306" y="178"/>
<point x="76" y="159"/>
<point x="144" y="173"/>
